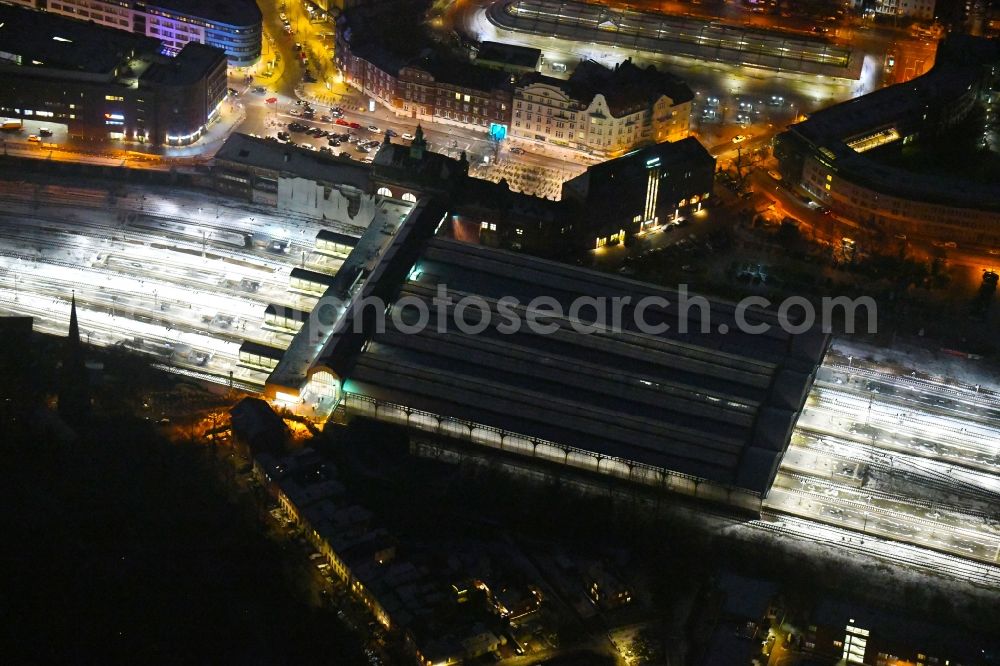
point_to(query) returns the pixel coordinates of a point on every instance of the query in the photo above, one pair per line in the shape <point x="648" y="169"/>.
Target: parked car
<point x="407" y="136"/>
<point x="341" y="121"/>
<point x="354" y="125"/>
<point x="374" y="129"/>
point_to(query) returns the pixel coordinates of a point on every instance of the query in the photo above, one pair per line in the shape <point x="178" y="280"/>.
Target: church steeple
<point x="74" y="396"/>
<point x="74" y="325"/>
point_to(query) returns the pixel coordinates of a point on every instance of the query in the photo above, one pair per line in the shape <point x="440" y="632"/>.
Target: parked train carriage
<point x="258" y="356"/>
<point x="284" y="318"/>
<point x="334" y="243"/>
<point x="309" y="282"/>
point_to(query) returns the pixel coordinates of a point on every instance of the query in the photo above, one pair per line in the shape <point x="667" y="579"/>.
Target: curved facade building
<point x="233" y="26"/>
<point x="828" y="154"/>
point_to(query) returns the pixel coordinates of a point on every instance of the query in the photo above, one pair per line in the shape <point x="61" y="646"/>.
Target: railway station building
<point x="702" y="412"/>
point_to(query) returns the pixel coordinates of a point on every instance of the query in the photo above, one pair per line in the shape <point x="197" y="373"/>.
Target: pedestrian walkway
<point x="231" y="114"/>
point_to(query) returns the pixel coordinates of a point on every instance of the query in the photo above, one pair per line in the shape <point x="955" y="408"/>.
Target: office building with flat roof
<point x="233" y="26"/>
<point x="640" y="190"/>
<point x="106" y="84"/>
<point x="833" y="154"/>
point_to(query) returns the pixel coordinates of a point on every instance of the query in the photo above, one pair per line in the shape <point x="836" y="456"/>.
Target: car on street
<point x="44" y="131"/>
<point x="326" y="119"/>
<point x="390" y="132"/>
<point x="341" y="121"/>
<point x="295" y="112"/>
<point x="774" y="174"/>
<point x="516" y="150"/>
<point x="740" y="138"/>
<point x="407" y="136"/>
<point x="354" y="125"/>
<point x="374" y="129"/>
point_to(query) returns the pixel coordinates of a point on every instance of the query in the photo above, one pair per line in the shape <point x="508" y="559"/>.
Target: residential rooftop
<point x="627" y="88"/>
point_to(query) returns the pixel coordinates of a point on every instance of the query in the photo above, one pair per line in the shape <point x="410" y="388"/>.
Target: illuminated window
<point x="484" y="225"/>
<point x="114" y="98"/>
<point x="519" y="232"/>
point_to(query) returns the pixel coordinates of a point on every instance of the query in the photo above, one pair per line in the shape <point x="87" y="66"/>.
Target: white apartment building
<point x="916" y="9"/>
<point x="603" y="111"/>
